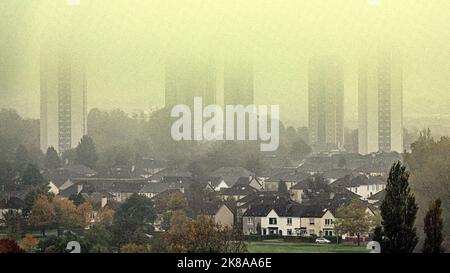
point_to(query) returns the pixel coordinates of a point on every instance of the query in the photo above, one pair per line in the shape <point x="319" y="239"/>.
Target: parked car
<point x="322" y="241"/>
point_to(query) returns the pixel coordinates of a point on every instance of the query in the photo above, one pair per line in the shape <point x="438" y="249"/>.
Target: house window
<point x="328" y="233"/>
<point x="328" y="222"/>
<point x="289" y="232"/>
<point x="312" y="221"/>
<point x="289" y="221"/>
<point x="272" y="221"/>
<point x="250" y="221"/>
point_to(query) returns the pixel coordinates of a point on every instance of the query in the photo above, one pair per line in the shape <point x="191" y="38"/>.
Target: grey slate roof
<point x="159" y="187"/>
<point x="238" y="190"/>
<point x="231" y="174"/>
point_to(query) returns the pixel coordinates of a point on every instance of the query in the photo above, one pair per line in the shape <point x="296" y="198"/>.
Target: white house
<point x="288" y="220"/>
<point x="361" y="185"/>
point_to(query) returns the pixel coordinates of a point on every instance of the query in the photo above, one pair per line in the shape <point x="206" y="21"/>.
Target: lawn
<point x="278" y="246"/>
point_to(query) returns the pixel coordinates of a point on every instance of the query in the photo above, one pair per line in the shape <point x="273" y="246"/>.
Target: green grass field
<point x="277" y="246"/>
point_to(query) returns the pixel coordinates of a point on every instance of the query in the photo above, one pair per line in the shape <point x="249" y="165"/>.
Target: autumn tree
<point x="433" y="227"/>
<point x="167" y="204"/>
<point x="10" y="246"/>
<point x="353" y="220"/>
<point x="33" y="194"/>
<point x="398" y="212"/>
<point x="105" y="216"/>
<point x="200" y="236"/>
<point x="86" y="211"/>
<point x="42" y="213"/>
<point x="29" y="243"/>
<point x="66" y="214"/>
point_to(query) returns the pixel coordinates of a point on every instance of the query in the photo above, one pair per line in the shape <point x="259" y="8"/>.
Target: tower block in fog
<point x="238" y="83"/>
<point x="63" y="100"/>
<point x="380" y="109"/>
<point x="63" y="87"/>
<point x="187" y="78"/>
<point x="326" y="103"/>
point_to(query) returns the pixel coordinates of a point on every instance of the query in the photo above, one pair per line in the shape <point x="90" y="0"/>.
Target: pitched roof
<point x="126" y="187"/>
<point x="258" y="211"/>
<point x="173" y="172"/>
<point x="177" y="179"/>
<point x="104" y="185"/>
<point x="378" y="196"/>
<point x="377" y="181"/>
<point x="262" y="198"/>
<point x="232" y="174"/>
<point x="211" y="208"/>
<point x="289" y="175"/>
<point x="159" y="187"/>
<point x="350" y="181"/>
<point x="302" y="185"/>
<point x="238" y="190"/>
<point x="291" y="209"/>
<point x="214" y="181"/>
<point x="336" y="173"/>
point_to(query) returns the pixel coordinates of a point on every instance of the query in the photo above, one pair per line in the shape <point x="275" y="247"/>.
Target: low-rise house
<point x="123" y="190"/>
<point x="236" y="192"/>
<point x="378" y="164"/>
<point x="146" y="167"/>
<point x="152" y="190"/>
<point x="170" y="172"/>
<point x="251" y="181"/>
<point x="216" y="183"/>
<point x="221" y="214"/>
<point x="259" y="198"/>
<point x="361" y="185"/>
<point x="231" y="174"/>
<point x="120" y="188"/>
<point x="334" y="174"/>
<point x="288" y="176"/>
<point x="298" y="191"/>
<point x="288" y="220"/>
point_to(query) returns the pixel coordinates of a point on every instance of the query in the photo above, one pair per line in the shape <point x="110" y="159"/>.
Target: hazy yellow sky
<point x="128" y="40"/>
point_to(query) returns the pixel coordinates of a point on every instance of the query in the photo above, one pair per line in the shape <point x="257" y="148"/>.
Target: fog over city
<point x="127" y="43"/>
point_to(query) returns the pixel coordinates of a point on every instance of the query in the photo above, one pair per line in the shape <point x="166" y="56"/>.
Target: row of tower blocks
<point x="64" y="97"/>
